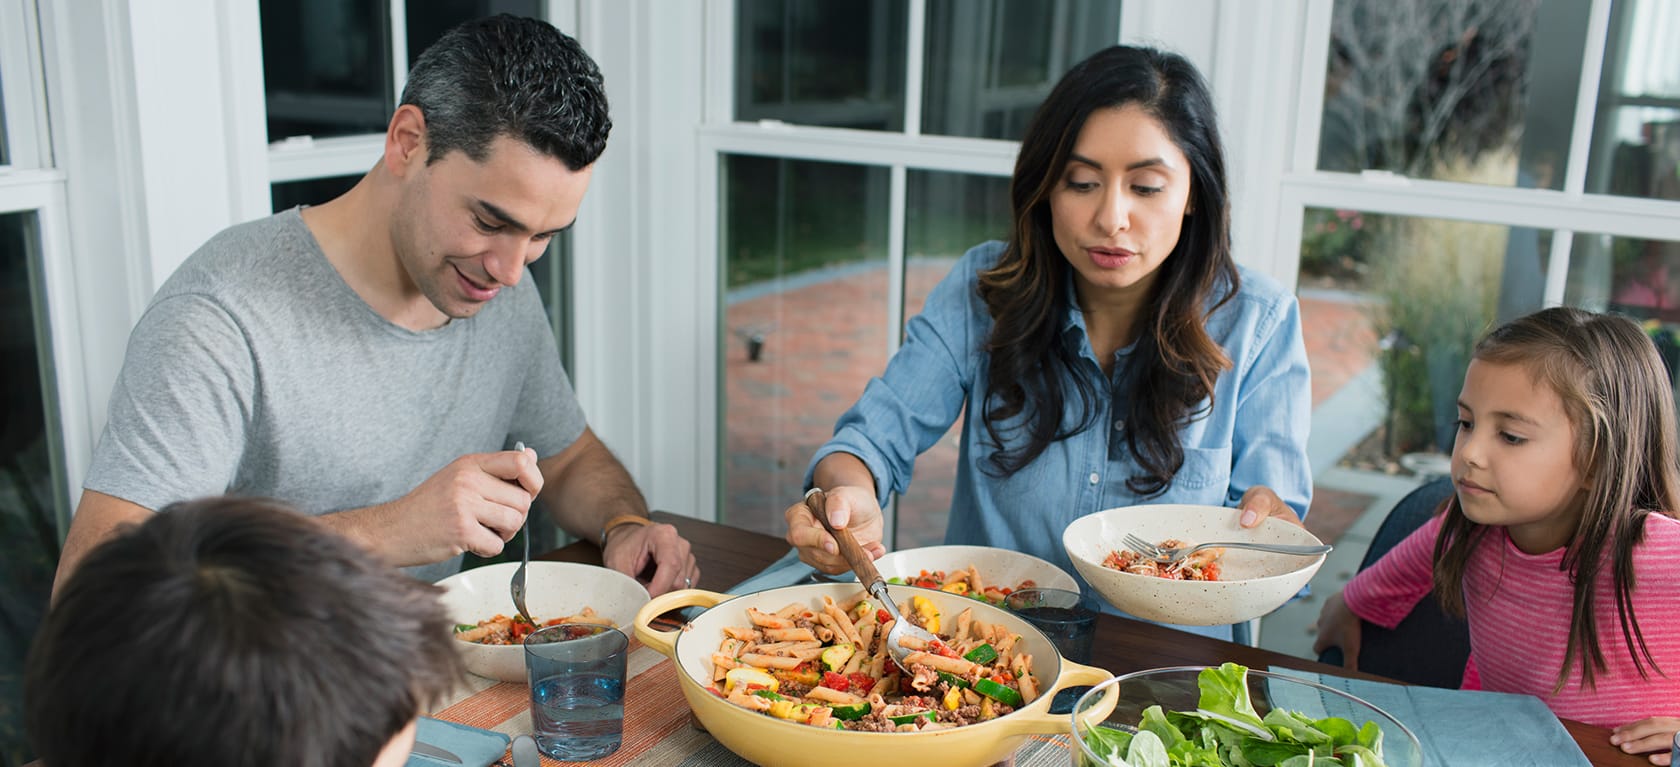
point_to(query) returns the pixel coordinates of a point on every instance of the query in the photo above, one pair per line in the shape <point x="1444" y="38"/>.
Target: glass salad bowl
<point x="1167" y="717"/>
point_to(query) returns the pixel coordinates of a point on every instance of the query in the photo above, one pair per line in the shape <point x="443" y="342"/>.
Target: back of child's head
<point x="233" y="631"/>
<point x="1618" y="398"/>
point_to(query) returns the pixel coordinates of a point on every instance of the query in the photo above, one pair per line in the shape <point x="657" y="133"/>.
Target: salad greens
<point x="1226" y="731"/>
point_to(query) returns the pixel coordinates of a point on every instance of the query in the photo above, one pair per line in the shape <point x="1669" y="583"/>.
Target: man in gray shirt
<point x="360" y="360"/>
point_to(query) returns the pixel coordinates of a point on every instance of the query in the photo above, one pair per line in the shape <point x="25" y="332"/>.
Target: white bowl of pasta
<point x="959" y="568"/>
<point x="489" y="635"/>
<point x="1246" y="584"/>
<point x="765" y="691"/>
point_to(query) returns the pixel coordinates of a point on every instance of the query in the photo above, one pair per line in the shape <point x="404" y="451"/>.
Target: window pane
<point x="947" y="214"/>
<point x="990" y="63"/>
<point x="290" y="194"/>
<point x="1478" y="91"/>
<point x="30" y="480"/>
<point x="1626" y="275"/>
<point x="429" y="20"/>
<point x="326" y="67"/>
<point x="821" y="63"/>
<point x="1432" y="288"/>
<point x="805" y="310"/>
<point x="1636" y="140"/>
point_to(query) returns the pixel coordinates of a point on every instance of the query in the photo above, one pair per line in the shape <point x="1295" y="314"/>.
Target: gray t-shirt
<point x="256" y="370"/>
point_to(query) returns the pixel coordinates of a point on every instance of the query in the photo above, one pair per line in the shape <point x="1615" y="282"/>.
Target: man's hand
<point x="850" y="507"/>
<point x="1339" y="627"/>
<point x="1653" y="735"/>
<point x="1261" y="502"/>
<point x="631" y="548"/>
<point x="476" y="503"/>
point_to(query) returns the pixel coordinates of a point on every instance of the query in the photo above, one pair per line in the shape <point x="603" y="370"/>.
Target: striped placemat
<point x="657" y="728"/>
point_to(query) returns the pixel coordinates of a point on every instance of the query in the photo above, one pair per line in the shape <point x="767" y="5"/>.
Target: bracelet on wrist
<point x="618" y="521"/>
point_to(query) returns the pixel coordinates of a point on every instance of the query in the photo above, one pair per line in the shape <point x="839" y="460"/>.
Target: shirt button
<point x="1119" y="424"/>
<point x="1094" y="478"/>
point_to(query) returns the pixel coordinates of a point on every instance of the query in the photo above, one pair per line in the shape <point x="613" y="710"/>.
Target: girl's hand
<point x="1339" y="627"/>
<point x="1653" y="736"/>
<point x="1259" y="503"/>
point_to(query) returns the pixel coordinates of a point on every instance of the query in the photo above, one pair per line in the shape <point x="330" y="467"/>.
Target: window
<point x="32" y="490"/>
<point x="1530" y="153"/>
<point x="829" y="239"/>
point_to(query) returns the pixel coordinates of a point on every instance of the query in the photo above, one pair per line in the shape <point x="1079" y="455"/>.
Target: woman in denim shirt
<point x="1111" y="353"/>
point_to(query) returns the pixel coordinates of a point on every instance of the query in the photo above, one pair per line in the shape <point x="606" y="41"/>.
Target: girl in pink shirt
<point x="1559" y="545"/>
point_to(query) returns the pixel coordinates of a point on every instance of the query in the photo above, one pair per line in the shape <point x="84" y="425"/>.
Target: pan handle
<point x="665" y="641"/>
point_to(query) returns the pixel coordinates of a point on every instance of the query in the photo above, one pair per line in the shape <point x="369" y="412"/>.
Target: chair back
<point x="1428" y="647"/>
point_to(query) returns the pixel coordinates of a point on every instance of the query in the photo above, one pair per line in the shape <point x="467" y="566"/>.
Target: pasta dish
<point x="1200" y="566"/>
<point x="828" y="667"/>
<point x="504" y="630"/>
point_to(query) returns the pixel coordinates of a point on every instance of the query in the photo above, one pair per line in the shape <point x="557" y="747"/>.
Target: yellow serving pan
<point x="774" y="742"/>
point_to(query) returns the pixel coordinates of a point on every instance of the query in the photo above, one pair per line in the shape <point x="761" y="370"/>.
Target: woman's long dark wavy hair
<point x="1176" y="362"/>
<point x="1617" y="396"/>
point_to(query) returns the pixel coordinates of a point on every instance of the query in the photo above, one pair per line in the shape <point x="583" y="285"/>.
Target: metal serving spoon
<point x="872" y="582"/>
<point x="516" y="587"/>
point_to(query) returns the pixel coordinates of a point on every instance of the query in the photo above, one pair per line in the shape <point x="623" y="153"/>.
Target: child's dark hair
<point x="1618" y="398"/>
<point x="226" y="629"/>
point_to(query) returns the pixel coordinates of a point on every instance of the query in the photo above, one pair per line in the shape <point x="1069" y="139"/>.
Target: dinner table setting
<point x="1097" y="682"/>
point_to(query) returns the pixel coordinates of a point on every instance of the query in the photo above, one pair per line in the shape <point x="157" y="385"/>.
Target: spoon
<point x="872" y="582"/>
<point x="516" y="587"/>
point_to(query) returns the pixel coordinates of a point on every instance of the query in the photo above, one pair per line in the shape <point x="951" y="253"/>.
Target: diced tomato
<point x="881" y="616"/>
<point x="1003" y="677"/>
<point x="834" y="681"/>
<point x="927" y="583"/>
<point x="860" y="682"/>
<point x="940" y="648"/>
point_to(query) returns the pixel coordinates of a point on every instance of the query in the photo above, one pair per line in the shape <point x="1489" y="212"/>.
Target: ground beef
<point x="793" y="689"/>
<point x="963" y="715"/>
<point x="872" y="723"/>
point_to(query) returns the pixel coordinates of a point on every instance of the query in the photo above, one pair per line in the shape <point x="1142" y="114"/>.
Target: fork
<point x="516" y="587"/>
<point x="1168" y="555"/>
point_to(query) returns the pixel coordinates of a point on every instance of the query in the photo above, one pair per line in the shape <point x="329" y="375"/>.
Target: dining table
<point x="729" y="555"/>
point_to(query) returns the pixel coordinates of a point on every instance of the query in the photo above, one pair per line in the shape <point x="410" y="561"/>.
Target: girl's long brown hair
<point x="1617" y="396"/>
<point x="1176" y="362"/>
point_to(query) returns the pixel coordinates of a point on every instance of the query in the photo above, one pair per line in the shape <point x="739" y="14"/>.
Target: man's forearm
<point x="590" y="491"/>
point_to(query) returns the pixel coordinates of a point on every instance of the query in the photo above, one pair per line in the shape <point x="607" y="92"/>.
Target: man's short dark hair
<point x="510" y="76"/>
<point x="234" y="631"/>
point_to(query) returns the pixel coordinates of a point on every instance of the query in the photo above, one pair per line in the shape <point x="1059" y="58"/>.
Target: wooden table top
<point x="729" y="555"/>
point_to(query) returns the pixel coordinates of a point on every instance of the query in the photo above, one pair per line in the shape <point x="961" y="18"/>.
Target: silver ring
<point x="688" y="583"/>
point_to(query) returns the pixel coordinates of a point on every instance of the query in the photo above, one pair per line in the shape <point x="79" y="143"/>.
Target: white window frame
<point x="1565" y="212"/>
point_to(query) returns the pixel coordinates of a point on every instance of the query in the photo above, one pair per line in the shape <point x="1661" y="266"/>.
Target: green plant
<point x="1334" y="242"/>
<point x="1439" y="284"/>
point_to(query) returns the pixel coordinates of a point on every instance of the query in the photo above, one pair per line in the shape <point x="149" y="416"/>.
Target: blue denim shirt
<point x="1255" y="433"/>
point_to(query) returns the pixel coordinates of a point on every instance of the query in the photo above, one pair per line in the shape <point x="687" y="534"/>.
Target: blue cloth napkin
<point x="786" y="571"/>
<point x="1492" y="729"/>
<point x="476" y="747"/>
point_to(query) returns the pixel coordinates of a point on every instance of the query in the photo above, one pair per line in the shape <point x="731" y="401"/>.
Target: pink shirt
<point x="1518" y="608"/>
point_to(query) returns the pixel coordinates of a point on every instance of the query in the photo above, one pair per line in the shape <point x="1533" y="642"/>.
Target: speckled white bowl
<point x="1252" y="583"/>
<point x="999" y="567"/>
<point x="552" y="589"/>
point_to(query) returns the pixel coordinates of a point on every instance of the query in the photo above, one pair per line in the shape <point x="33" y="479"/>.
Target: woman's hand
<point x="1261" y="502"/>
<point x="1339" y="627"/>
<point x="850" y="507"/>
<point x="1652" y="736"/>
